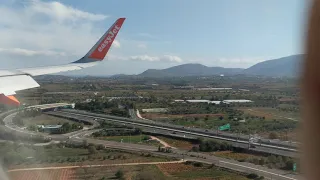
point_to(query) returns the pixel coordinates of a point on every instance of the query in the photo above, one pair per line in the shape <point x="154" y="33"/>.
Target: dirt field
<point x="270" y="113"/>
<point x="285" y="136"/>
<point x="183" y="171"/>
<point x="180" y="144"/>
<point x="166" y="116"/>
<point x="63" y="174"/>
<point x="233" y="155"/>
<point x="83" y="173"/>
<point x="73" y="157"/>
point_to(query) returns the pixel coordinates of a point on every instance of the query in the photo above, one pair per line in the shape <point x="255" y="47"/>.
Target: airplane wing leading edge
<point x="20" y="79"/>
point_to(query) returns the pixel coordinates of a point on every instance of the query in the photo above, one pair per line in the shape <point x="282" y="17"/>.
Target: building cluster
<point x="213" y="102"/>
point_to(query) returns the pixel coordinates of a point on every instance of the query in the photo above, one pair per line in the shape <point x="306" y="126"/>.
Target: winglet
<point x="101" y="48"/>
<point x="9" y="100"/>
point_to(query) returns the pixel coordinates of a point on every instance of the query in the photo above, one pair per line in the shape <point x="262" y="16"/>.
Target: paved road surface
<point x="185" y="155"/>
<point x="200" y="157"/>
<point x="237" y="143"/>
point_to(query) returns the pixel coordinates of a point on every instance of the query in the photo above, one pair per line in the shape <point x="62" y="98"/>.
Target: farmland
<point x="44" y="120"/>
<point x="189" y="171"/>
<point x="181" y="144"/>
<point x="136" y="172"/>
<point x="63" y="174"/>
<point x="136" y="139"/>
<point x="271" y="113"/>
<point x="20" y="156"/>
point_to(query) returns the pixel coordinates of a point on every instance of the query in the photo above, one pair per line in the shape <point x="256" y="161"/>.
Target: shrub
<point x="252" y="176"/>
<point x="273" y="135"/>
<point x="198" y="164"/>
<point x="119" y="174"/>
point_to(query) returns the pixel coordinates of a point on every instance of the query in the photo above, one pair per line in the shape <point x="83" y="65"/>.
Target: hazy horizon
<point x="233" y="34"/>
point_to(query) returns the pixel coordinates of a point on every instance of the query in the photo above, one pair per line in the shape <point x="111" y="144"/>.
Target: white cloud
<point x="145" y="58"/>
<point x="116" y="44"/>
<point x="173" y="58"/>
<point x="61" y="12"/>
<point x="47" y="29"/>
<point x="26" y="52"/>
<point x="169" y="58"/>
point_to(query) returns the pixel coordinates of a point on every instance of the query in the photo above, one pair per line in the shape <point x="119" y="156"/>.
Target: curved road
<point x="78" y="137"/>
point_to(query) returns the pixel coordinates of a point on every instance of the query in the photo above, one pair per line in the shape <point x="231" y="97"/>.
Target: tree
<point x="252" y="176"/>
<point x="92" y="150"/>
<point x="289" y="164"/>
<point x="85" y="143"/>
<point x="272" y="159"/>
<point x="255" y="161"/>
<point x="119" y="174"/>
<point x="66" y="127"/>
<point x="32" y="128"/>
<point x="195" y="149"/>
<point x="100" y="147"/>
<point x="198" y="164"/>
<point x="262" y="161"/>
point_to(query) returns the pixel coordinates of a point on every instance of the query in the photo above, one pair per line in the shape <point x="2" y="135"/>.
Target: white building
<point x="198" y="101"/>
<point x="237" y="101"/>
<point x="214" y="89"/>
<point x="154" y="110"/>
<point x="215" y="102"/>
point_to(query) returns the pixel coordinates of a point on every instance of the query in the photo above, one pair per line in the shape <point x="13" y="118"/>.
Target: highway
<point x="183" y="133"/>
<point x="199" y="157"/>
<point x="286" y="145"/>
<point x="79" y="136"/>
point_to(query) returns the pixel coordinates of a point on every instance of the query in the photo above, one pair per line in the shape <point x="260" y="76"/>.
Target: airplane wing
<point x="20" y="79"/>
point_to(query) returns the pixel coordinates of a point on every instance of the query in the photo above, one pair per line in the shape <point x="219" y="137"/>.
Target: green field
<point x="44" y="119"/>
<point x="272" y="113"/>
<point x="136" y="139"/>
<point x="21" y="155"/>
<point x="209" y="173"/>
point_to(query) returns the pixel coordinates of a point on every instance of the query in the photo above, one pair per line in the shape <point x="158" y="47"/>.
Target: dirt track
<point x="99" y="165"/>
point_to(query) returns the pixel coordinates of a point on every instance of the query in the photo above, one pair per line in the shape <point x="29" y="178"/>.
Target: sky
<point x="156" y="34"/>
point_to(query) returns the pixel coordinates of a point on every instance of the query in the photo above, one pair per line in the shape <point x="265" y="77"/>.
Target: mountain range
<point x="286" y="66"/>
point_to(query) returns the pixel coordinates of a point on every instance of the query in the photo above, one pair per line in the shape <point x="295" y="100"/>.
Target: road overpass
<point x="78" y="137"/>
<point x="263" y="148"/>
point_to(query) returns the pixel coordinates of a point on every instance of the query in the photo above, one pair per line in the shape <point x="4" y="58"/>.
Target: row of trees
<point x="212" y="145"/>
<point x="102" y="107"/>
<point x="118" y="132"/>
<point x="272" y="161"/>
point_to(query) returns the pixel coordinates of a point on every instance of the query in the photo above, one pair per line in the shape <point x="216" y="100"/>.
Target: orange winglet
<point x="9" y="100"/>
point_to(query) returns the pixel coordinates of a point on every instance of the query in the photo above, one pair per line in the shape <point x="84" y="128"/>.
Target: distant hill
<point x="286" y="66"/>
<point x="189" y="70"/>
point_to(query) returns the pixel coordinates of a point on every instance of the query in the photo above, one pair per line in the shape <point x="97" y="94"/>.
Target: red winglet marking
<point x="102" y="49"/>
<point x="9" y="100"/>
